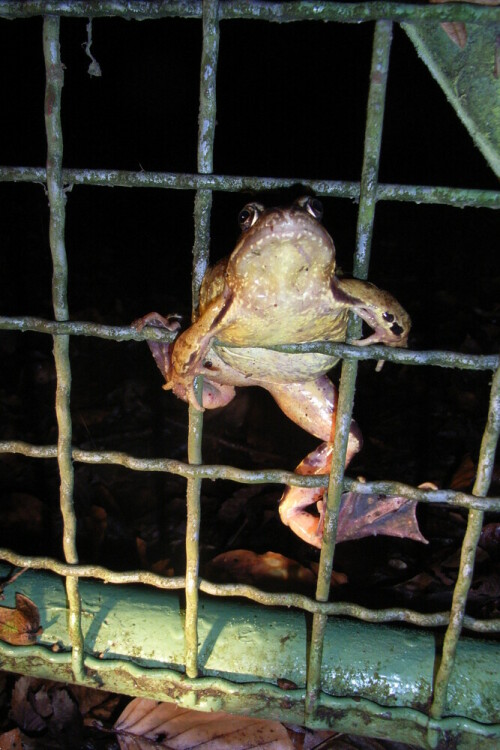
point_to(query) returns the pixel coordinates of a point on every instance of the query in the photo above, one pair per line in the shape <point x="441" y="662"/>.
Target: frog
<point x="279" y="286"/>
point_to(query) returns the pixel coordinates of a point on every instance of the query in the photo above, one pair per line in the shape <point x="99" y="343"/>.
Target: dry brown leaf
<point x="464" y="476"/>
<point x="12" y="740"/>
<point x="457" y="30"/>
<point x="97" y="703"/>
<point x="22" y="711"/>
<point x="20" y="626"/>
<point x="181" y="729"/>
<point x="269" y="569"/>
<point x="490" y="539"/>
<point x="40" y="705"/>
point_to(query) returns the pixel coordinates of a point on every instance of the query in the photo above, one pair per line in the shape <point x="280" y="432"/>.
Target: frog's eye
<point x="249" y="215"/>
<point x="313" y="206"/>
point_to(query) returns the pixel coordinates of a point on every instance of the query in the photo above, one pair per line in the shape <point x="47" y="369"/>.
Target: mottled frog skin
<point x="278" y="286"/>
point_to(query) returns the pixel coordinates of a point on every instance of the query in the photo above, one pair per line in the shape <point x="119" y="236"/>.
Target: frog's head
<point x="290" y="238"/>
<point x="255" y="215"/>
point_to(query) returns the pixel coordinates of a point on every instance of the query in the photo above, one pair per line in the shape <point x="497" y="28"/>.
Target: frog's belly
<point x="269" y="366"/>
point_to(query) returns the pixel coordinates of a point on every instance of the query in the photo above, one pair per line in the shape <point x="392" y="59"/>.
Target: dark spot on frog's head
<point x="397" y="329"/>
<point x="388" y="316"/>
<point x="207" y="364"/>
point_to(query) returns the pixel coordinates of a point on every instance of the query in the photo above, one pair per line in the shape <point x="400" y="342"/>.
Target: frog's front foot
<point x="390" y="322"/>
<point x="161" y="351"/>
<point x="178" y="379"/>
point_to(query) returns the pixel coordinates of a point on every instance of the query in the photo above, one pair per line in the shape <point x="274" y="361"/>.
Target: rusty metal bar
<point x="373" y="138"/>
<point x="343" y="351"/>
<point x="299" y="601"/>
<point x="278" y="12"/>
<point x="255" y="476"/>
<point x="446" y="196"/>
<point x="57" y="201"/>
<point x="202" y="210"/>
<point x="469" y="546"/>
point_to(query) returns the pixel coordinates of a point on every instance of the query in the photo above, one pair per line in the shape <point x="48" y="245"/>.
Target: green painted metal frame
<point x="434" y="726"/>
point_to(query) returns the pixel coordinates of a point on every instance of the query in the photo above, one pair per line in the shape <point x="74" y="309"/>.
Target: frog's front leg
<point x="191" y="349"/>
<point x="311" y="405"/>
<point x="214" y="394"/>
<point x="390" y="322"/>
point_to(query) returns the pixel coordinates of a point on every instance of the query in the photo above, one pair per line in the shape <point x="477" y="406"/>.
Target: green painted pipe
<point x="376" y="679"/>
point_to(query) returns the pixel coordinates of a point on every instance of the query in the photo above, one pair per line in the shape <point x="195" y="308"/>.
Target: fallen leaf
<point x="22" y="711"/>
<point x="490" y="539"/>
<point x="20" y="626"/>
<point x="182" y="729"/>
<point x="12" y="740"/>
<point x="94" y="703"/>
<point x="269" y="569"/>
<point x="45" y="706"/>
<point x="464" y="476"/>
<point x="456" y="30"/>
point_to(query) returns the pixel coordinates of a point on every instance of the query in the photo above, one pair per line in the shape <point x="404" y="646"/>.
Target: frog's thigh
<point x="313" y="406"/>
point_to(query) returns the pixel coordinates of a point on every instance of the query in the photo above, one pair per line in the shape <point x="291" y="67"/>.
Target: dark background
<point x="291" y="101"/>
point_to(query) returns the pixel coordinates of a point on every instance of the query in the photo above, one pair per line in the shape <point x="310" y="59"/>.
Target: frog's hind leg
<point x="313" y="407"/>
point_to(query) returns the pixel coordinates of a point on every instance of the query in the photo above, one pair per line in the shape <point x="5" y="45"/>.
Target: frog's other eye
<point x="249" y="215"/>
<point x="313" y="206"/>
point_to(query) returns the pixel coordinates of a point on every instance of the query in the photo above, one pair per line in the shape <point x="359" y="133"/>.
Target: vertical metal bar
<point x="202" y="209"/>
<point x="474" y="525"/>
<point x="373" y="139"/>
<point x="57" y="201"/>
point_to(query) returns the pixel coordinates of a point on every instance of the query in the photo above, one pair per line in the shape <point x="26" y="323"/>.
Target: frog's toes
<point x="305" y="525"/>
<point x="155" y="320"/>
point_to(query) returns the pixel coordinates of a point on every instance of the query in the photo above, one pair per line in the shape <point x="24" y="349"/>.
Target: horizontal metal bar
<point x="301" y="601"/>
<point x="258" y="10"/>
<point x="386" y="353"/>
<point x="245" y="476"/>
<point x="440" y="195"/>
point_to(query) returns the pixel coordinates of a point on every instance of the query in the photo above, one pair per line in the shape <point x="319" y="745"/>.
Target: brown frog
<point x="278" y="286"/>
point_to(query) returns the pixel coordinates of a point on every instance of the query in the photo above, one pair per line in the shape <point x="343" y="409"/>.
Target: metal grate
<point x="311" y="706"/>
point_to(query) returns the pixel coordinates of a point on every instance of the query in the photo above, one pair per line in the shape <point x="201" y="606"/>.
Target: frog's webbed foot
<point x="360" y="515"/>
<point x="390" y="322"/>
